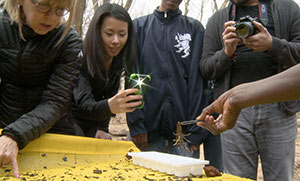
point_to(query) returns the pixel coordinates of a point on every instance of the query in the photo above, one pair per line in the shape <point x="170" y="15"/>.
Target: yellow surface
<point x="61" y="157"/>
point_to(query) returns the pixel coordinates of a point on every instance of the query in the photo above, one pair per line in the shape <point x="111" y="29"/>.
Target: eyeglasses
<point x="45" y="8"/>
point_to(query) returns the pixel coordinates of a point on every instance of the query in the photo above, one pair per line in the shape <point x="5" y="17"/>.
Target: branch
<point x="202" y="10"/>
<point x="187" y="3"/>
<point x="216" y="5"/>
<point x="128" y="4"/>
<point x="105" y="1"/>
<point x="95" y="5"/>
<point x="224" y="3"/>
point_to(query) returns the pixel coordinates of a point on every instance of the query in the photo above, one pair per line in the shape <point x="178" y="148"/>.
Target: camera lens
<point x="244" y="30"/>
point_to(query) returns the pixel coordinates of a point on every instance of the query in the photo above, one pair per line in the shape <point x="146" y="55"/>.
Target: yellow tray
<point x="62" y="157"/>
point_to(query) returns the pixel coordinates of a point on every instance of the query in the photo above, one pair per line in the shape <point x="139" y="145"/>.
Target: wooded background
<point x="198" y="9"/>
<point x="86" y="8"/>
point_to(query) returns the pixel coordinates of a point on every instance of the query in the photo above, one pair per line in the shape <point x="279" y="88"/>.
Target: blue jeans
<point x="266" y="131"/>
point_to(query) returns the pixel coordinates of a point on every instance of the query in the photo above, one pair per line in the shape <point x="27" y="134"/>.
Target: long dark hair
<point x="93" y="50"/>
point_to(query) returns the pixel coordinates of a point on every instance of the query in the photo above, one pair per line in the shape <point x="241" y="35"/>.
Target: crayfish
<point x="180" y="138"/>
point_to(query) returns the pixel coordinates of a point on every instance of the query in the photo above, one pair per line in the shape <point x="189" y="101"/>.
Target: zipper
<point x="166" y="62"/>
<point x="165" y="14"/>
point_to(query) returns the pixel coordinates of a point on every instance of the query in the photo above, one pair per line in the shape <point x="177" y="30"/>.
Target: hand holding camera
<point x="230" y="39"/>
<point x="245" y="27"/>
<point x="248" y="30"/>
<point x="140" y="82"/>
<point x="260" y="42"/>
<point x="121" y="102"/>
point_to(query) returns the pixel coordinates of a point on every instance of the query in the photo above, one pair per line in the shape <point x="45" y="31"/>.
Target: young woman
<point x="39" y="64"/>
<point x="108" y="50"/>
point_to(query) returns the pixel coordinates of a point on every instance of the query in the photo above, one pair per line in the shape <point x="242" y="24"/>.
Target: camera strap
<point x="262" y="9"/>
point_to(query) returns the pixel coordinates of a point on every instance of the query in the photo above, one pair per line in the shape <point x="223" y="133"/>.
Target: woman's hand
<point x="8" y="154"/>
<point x="120" y="102"/>
<point x="102" y="135"/>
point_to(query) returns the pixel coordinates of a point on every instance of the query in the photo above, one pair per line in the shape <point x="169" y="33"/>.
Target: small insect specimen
<point x="180" y="138"/>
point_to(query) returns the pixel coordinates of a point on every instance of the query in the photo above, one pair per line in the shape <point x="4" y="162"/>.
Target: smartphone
<point x="140" y="82"/>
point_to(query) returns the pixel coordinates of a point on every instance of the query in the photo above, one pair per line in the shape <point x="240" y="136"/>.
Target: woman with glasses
<point x="108" y="50"/>
<point x="40" y="58"/>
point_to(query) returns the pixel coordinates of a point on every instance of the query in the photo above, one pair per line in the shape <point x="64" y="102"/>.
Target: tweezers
<point x="189" y="122"/>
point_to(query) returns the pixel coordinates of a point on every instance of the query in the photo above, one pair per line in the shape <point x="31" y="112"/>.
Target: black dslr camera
<point x="141" y="82"/>
<point x="245" y="27"/>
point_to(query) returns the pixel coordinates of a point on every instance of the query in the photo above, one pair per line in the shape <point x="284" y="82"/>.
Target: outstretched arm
<point x="284" y="86"/>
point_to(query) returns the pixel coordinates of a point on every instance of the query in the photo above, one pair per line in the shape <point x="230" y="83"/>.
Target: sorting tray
<point x="180" y="166"/>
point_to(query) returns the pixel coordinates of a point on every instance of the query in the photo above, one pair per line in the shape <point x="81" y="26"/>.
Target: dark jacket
<point x="285" y="51"/>
<point x="90" y="99"/>
<point x="169" y="49"/>
<point x="37" y="79"/>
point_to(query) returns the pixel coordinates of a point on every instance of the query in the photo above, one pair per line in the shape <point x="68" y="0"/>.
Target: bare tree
<point x="128" y="4"/>
<point x="187" y="4"/>
<point x="78" y="17"/>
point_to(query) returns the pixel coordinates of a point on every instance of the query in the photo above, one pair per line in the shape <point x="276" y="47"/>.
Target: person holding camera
<point x="247" y="41"/>
<point x="109" y="48"/>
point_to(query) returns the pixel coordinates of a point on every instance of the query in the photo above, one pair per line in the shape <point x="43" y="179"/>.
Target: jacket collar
<point x="167" y="16"/>
<point x="28" y="32"/>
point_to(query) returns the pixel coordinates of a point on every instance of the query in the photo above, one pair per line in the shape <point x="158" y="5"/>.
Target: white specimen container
<point x="180" y="166"/>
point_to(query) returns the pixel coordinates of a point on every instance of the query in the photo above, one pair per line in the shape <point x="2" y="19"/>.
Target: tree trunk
<point x="78" y="16"/>
<point x="187" y="4"/>
<point x="128" y="4"/>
